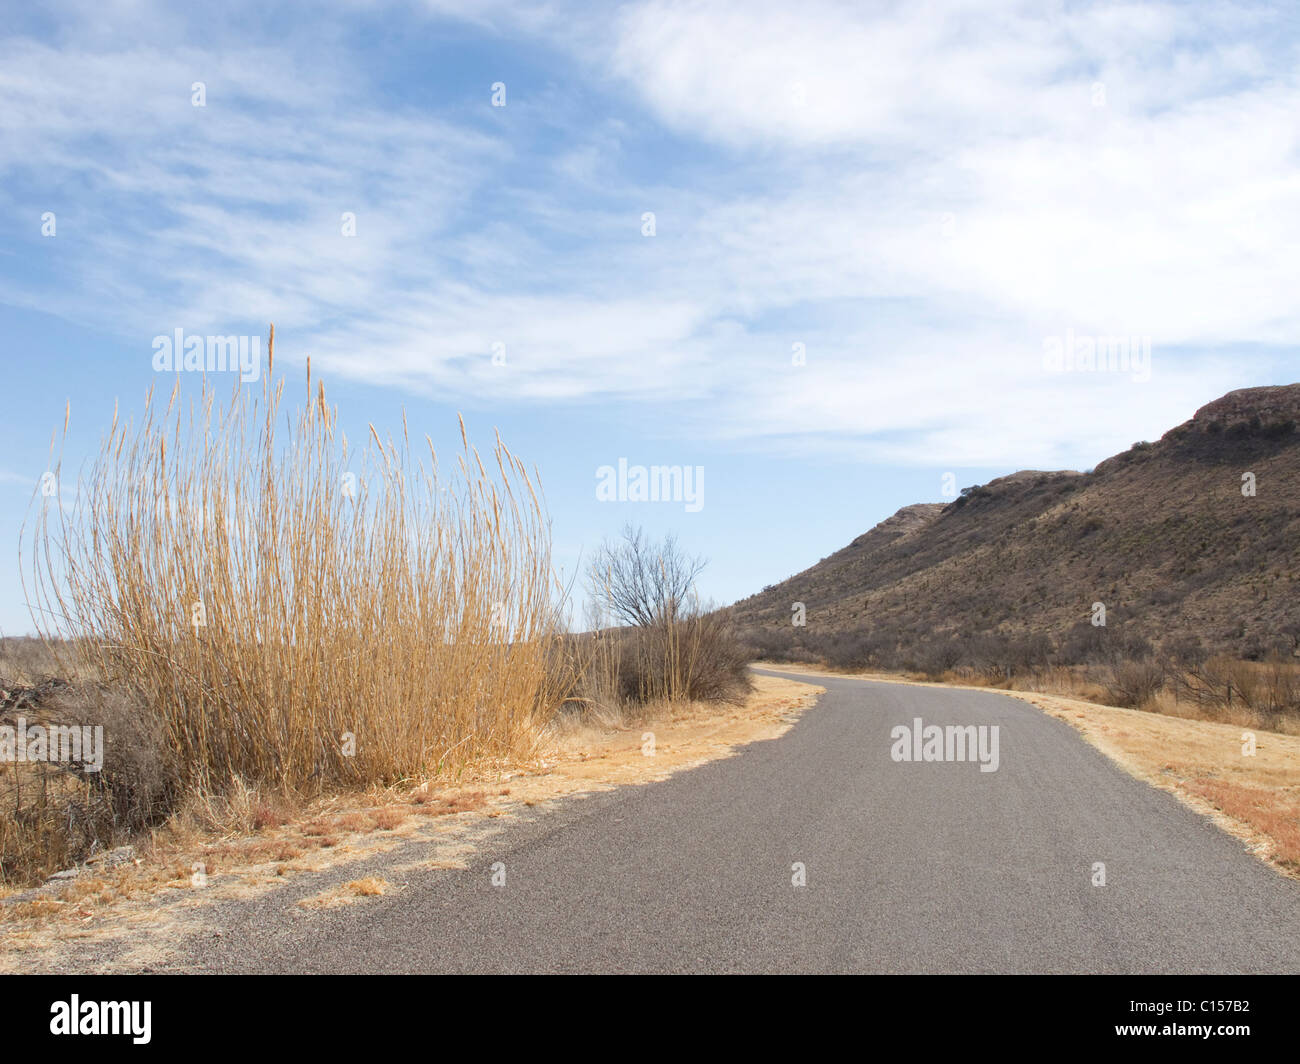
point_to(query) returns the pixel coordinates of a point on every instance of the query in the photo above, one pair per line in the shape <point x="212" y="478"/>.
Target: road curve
<point x="910" y="867"/>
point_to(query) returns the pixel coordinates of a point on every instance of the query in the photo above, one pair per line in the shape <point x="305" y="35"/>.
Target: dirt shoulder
<point x="130" y="913"/>
<point x="1253" y="796"/>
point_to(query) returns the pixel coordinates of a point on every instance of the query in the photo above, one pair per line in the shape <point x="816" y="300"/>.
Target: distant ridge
<point x="1162" y="534"/>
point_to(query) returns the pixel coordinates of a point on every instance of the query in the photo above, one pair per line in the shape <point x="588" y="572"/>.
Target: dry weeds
<point x="296" y="614"/>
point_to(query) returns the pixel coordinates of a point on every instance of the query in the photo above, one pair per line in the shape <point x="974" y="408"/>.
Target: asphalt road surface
<point x="910" y="867"/>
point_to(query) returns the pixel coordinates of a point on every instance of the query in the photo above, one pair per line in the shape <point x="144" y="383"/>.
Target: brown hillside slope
<point x="1161" y="534"/>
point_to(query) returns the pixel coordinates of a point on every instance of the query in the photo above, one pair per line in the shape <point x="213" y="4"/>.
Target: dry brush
<point x="297" y="613"/>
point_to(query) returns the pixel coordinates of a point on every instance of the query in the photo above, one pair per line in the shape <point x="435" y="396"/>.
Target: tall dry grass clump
<point x="299" y="614"/>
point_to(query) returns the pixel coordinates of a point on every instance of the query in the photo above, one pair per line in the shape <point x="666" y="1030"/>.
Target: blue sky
<point x="923" y="195"/>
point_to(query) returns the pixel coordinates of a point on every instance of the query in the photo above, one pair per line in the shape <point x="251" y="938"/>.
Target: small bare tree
<point x="660" y="643"/>
<point x="640" y="583"/>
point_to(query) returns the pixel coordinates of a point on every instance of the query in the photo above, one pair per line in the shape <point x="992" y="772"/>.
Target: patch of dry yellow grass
<point x="347" y="893"/>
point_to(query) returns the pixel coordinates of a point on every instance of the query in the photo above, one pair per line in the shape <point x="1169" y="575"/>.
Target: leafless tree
<point x="639" y="582"/>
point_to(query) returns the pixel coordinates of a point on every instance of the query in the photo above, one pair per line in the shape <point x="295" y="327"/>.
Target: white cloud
<point x="919" y="192"/>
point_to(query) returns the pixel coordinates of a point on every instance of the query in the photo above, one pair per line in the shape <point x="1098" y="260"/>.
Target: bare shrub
<point x="695" y="658"/>
<point x="1220" y="684"/>
<point x="53" y="814"/>
<point x="938" y="657"/>
<point x="671" y="648"/>
<point x="1134" y="683"/>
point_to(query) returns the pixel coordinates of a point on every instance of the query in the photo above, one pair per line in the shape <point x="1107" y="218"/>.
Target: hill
<point x="1163" y="535"/>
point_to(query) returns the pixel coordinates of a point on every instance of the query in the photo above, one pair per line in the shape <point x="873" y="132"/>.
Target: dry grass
<point x="430" y="803"/>
<point x="388" y="818"/>
<point x="296" y="616"/>
<point x="257" y="613"/>
<point x="347" y="893"/>
<point x="1171" y="699"/>
<point x="1250" y="707"/>
<point x="1273" y="814"/>
<point x="55" y="813"/>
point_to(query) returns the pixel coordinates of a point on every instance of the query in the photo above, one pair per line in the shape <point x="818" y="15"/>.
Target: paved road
<point x="911" y="867"/>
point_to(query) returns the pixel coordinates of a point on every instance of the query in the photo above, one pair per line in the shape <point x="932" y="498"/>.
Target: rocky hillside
<point x="1162" y="535"/>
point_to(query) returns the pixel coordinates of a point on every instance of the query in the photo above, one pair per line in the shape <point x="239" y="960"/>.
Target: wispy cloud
<point x="919" y="194"/>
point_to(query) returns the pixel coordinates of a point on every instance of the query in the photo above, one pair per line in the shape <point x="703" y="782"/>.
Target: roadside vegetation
<point x="258" y="613"/>
<point x="1179" y="676"/>
<point x="652" y="640"/>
